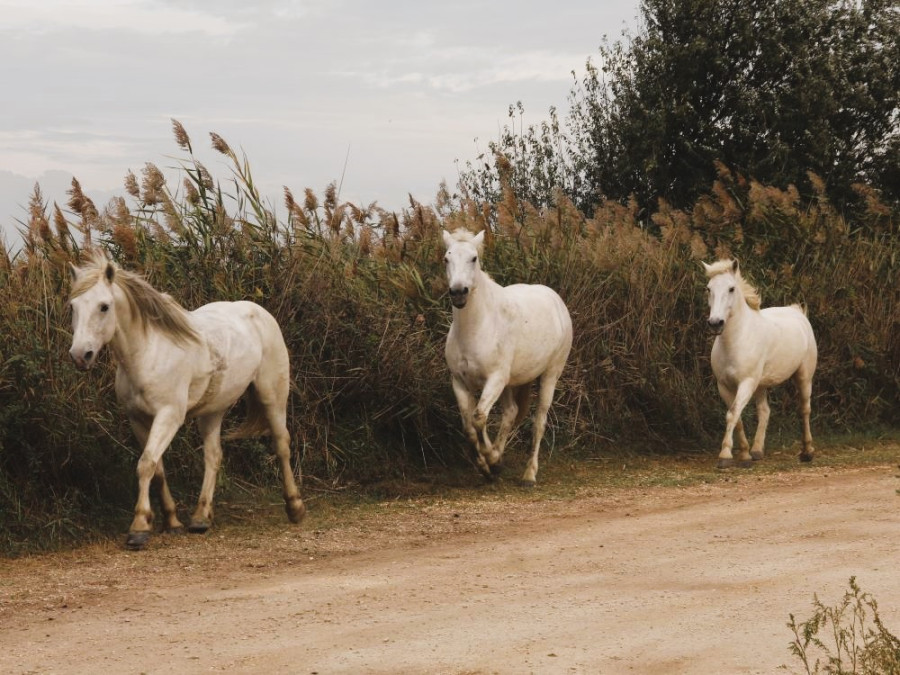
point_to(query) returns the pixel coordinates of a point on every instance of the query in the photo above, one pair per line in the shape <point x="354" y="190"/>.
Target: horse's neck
<point x="126" y="341"/>
<point x="742" y="320"/>
<point x="481" y="306"/>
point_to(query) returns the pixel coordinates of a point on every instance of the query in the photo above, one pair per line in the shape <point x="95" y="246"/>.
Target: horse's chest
<point x="471" y="372"/>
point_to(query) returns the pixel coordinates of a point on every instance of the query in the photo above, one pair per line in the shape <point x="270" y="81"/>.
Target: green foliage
<point x="360" y="296"/>
<point x="771" y="89"/>
<point x="846" y="639"/>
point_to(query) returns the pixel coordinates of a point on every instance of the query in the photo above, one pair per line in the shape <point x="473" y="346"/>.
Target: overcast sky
<point x="388" y="94"/>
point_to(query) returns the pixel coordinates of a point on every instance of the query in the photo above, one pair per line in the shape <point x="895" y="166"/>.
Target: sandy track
<point x="660" y="580"/>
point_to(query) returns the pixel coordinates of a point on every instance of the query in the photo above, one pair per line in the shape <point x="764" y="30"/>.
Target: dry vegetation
<point x="359" y="295"/>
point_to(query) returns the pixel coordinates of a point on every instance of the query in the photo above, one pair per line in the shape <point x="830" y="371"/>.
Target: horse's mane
<point x="751" y="295"/>
<point x="151" y="307"/>
<point x="462" y="234"/>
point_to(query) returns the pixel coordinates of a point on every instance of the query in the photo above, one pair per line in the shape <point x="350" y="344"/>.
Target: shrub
<point x="359" y="294"/>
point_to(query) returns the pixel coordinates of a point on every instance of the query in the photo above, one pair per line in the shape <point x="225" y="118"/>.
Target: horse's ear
<point x="73" y="272"/>
<point x="478" y="240"/>
<point x="448" y="240"/>
<point x="110" y="272"/>
<point x="706" y="268"/>
<point x="734" y="266"/>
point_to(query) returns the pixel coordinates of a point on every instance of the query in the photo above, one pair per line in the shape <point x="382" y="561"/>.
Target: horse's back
<point x="541" y="326"/>
<point x="793" y="324"/>
<point x="242" y="325"/>
<point x="792" y="342"/>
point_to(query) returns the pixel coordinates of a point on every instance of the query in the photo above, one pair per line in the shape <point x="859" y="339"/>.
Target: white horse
<point x="755" y="350"/>
<point x="501" y="340"/>
<point x="173" y="365"/>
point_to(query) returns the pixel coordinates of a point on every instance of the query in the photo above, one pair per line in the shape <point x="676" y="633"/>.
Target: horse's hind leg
<point x="762" y="413"/>
<point x="545" y="399"/>
<point x="804" y="387"/>
<point x="514" y="407"/>
<point x="272" y="388"/>
<point x="211" y="430"/>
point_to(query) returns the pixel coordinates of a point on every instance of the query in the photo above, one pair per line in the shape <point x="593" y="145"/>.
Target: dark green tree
<point x="773" y="89"/>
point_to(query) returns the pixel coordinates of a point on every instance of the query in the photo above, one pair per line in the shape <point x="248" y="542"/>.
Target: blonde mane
<point x="462" y="234"/>
<point x="148" y="304"/>
<point x="751" y="295"/>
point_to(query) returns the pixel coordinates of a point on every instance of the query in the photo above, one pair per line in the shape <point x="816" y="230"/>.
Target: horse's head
<point x="723" y="290"/>
<point x="93" y="310"/>
<point x="463" y="252"/>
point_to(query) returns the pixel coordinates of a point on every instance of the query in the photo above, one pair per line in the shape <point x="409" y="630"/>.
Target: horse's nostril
<point x="88" y="356"/>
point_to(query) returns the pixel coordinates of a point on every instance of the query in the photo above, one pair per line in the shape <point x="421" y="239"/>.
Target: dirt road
<point x="650" y="581"/>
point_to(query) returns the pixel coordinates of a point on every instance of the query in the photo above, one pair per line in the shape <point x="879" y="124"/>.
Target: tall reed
<point x="360" y="295"/>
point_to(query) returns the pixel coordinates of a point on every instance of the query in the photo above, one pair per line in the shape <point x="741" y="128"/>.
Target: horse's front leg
<point x="211" y="430"/>
<point x="763" y="411"/>
<point x="170" y="514"/>
<point x="545" y="399"/>
<point x="491" y="391"/>
<point x="162" y="430"/>
<point x="465" y="400"/>
<point x="732" y="417"/>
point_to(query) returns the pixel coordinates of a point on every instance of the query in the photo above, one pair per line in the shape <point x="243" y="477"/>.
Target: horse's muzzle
<point x="83" y="361"/>
<point x="458" y="297"/>
<point x="716" y="326"/>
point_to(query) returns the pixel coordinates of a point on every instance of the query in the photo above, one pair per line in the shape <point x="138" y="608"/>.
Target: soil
<point x="658" y="580"/>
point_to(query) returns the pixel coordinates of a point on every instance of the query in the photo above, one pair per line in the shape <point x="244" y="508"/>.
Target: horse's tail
<point x="256" y="423"/>
<point x="523" y="401"/>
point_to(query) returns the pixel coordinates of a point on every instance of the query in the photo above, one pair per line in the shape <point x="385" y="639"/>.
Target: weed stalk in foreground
<point x="859" y="648"/>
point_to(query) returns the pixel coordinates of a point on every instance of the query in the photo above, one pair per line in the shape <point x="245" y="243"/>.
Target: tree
<point x="773" y="89"/>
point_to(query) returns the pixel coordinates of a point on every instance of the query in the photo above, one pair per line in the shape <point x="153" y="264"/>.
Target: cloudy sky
<point x="385" y="97"/>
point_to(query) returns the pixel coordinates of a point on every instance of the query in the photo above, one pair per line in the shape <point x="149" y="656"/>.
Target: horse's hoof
<point x="176" y="530"/>
<point x="744" y="464"/>
<point x="296" y="510"/>
<point x="198" y="526"/>
<point x="527" y="483"/>
<point x="496" y="470"/>
<point x="136" y="540"/>
<point x="756" y="456"/>
<point x="725" y="463"/>
<point x="806" y="457"/>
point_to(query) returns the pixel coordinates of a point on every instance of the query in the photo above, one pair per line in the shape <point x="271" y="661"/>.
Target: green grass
<point x="562" y="477"/>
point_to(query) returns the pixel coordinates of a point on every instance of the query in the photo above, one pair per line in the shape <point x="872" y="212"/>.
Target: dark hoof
<point x="527" y="483"/>
<point x="496" y="470"/>
<point x="198" y="526"/>
<point x="744" y="464"/>
<point x="756" y="457"/>
<point x="296" y="511"/>
<point x="136" y="540"/>
<point x="806" y="457"/>
<point x="176" y="530"/>
<point x="725" y="463"/>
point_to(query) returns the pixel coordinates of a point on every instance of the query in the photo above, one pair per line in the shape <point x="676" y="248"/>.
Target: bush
<point x="359" y="294"/>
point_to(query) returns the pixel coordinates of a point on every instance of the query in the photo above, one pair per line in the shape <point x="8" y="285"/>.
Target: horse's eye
<point x="731" y="290"/>
<point x="104" y="307"/>
<point x="474" y="258"/>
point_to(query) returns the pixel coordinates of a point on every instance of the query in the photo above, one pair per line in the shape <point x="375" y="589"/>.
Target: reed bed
<point x="360" y="295"/>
